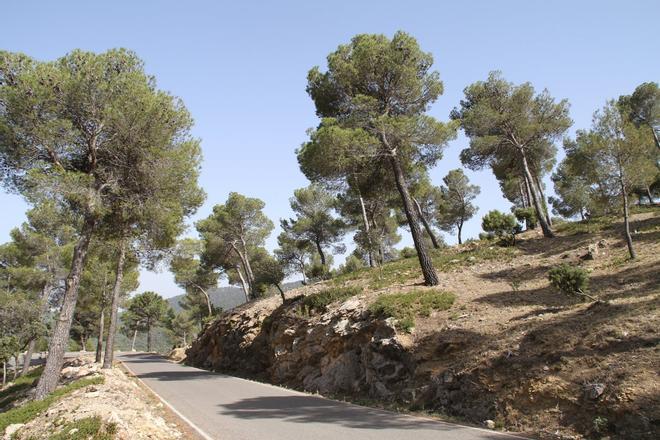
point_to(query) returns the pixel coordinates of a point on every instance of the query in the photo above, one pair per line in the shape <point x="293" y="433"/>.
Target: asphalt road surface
<point x="228" y="408"/>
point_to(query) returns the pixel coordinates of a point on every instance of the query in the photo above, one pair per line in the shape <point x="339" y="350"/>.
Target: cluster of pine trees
<point x="107" y="161"/>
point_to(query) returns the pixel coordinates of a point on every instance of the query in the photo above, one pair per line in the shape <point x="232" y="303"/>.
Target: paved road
<point x="229" y="408"/>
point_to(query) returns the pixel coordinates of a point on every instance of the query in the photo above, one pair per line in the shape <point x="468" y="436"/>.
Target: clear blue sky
<point x="240" y="67"/>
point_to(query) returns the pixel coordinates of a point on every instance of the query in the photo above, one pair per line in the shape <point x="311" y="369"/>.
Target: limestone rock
<point x="11" y="430"/>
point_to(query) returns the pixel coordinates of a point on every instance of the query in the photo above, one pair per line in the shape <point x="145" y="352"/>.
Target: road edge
<point x="503" y="434"/>
<point x="192" y="425"/>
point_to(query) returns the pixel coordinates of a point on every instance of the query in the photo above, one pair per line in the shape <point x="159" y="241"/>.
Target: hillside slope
<point x="509" y="350"/>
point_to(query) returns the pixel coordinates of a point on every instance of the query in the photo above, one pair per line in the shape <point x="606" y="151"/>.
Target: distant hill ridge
<point x="226" y="297"/>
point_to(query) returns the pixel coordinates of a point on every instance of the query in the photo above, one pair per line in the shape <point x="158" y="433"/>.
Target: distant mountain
<point x="226" y="297"/>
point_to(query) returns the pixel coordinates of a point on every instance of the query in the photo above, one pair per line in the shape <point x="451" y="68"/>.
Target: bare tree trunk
<point x="543" y="200"/>
<point x="27" y="359"/>
<point x="281" y="292"/>
<point x="320" y="251"/>
<point x="426" y="224"/>
<point x="243" y="283"/>
<point x="460" y="228"/>
<point x="208" y="299"/>
<point x="99" y="342"/>
<point x="60" y="337"/>
<point x="134" y="338"/>
<point x="425" y="262"/>
<point x="540" y="214"/>
<point x="248" y="270"/>
<point x="114" y="305"/>
<point x="626" y="221"/>
<point x="366" y="229"/>
<point x="302" y="271"/>
<point x="83" y="343"/>
<point x="16" y="357"/>
<point x="649" y="195"/>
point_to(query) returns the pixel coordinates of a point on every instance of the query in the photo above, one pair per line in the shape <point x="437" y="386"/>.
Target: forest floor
<point x="91" y="404"/>
<point x="538" y="361"/>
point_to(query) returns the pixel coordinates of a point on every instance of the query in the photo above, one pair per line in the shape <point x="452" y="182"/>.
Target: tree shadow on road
<point x="310" y="409"/>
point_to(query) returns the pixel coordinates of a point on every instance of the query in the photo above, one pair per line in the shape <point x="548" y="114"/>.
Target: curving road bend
<point x="229" y="408"/>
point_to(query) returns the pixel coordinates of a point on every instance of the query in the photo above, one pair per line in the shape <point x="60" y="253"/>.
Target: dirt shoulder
<point x="119" y="406"/>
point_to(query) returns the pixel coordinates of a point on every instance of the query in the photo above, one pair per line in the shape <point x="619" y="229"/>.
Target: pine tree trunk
<point x="626" y="221"/>
<point x="114" y="305"/>
<point x="320" y="251"/>
<point x="60" y="337"/>
<point x="208" y="299"/>
<point x="426" y="224"/>
<point x="540" y="214"/>
<point x="249" y="277"/>
<point x="365" y="220"/>
<point x="281" y="292"/>
<point x="543" y="201"/>
<point x="425" y="262"/>
<point x="99" y="342"/>
<point x="460" y="228"/>
<point x="134" y="338"/>
<point x="302" y="271"/>
<point x="16" y="358"/>
<point x="243" y="283"/>
<point x="649" y="195"/>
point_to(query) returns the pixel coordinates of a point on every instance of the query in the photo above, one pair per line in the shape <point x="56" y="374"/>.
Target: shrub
<point x="320" y="301"/>
<point x="570" y="280"/>
<point x="89" y="428"/>
<point x="501" y="225"/>
<point x="407" y="252"/>
<point x="352" y="264"/>
<point x="30" y="410"/>
<point x="405" y="306"/>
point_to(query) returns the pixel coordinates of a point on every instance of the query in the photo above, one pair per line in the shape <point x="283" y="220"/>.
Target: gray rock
<point x="594" y="390"/>
<point x="489" y="424"/>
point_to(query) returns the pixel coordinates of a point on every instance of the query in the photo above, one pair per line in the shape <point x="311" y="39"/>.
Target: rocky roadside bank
<point x="124" y="408"/>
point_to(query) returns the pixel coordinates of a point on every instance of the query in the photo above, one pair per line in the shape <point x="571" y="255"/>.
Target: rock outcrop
<point x="344" y="350"/>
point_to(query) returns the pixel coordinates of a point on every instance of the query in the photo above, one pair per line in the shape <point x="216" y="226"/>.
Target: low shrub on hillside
<point x="89" y="428"/>
<point x="526" y="216"/>
<point x="501" y="225"/>
<point x="319" y="301"/>
<point x="405" y="306"/>
<point x="569" y="280"/>
<point x="30" y="410"/>
<point x="407" y="252"/>
<point x="20" y="384"/>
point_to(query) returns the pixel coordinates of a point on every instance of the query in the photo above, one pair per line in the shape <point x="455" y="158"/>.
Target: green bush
<point x="352" y="264"/>
<point x="527" y="216"/>
<point x="407" y="252"/>
<point x="319" y="301"/>
<point x="89" y="428"/>
<point x="501" y="225"/>
<point x="20" y="384"/>
<point x="570" y="280"/>
<point x="405" y="306"/>
<point x="30" y="410"/>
